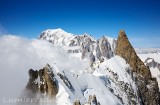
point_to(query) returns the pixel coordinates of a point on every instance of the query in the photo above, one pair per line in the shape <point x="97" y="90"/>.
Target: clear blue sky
<point x="139" y="18"/>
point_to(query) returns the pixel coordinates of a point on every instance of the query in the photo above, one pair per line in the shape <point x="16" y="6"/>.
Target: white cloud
<point x="18" y="55"/>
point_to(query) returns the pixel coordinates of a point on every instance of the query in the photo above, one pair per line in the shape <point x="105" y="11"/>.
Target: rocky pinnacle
<point x="147" y="86"/>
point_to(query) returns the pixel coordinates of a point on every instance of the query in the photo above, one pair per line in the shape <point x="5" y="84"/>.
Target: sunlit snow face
<point x="18" y="55"/>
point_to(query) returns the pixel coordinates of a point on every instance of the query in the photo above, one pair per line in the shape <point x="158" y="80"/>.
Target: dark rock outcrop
<point x="77" y="102"/>
<point x="147" y="86"/>
<point x="41" y="88"/>
<point x="126" y="51"/>
<point x="47" y="83"/>
<point x="66" y="81"/>
<point x="92" y="100"/>
<point x="150" y="62"/>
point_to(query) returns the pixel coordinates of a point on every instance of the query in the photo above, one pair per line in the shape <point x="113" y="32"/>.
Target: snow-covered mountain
<point x="83" y="45"/>
<point x="116" y="78"/>
<point x="57" y="36"/>
<point x="68" y="69"/>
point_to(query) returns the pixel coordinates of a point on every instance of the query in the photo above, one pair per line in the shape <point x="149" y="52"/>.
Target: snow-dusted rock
<point x="84" y="44"/>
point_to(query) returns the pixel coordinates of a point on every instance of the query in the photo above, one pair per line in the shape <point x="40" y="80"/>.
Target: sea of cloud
<point x="18" y="55"/>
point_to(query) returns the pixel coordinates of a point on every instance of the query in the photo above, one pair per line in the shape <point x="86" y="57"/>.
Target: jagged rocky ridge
<point x="41" y="86"/>
<point x="148" y="86"/>
<point x="84" y="44"/>
<point x="119" y="82"/>
<point x="42" y="81"/>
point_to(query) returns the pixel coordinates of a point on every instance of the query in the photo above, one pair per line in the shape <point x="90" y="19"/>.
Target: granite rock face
<point x="42" y="85"/>
<point x="126" y="51"/>
<point x="147" y="86"/>
<point x="103" y="49"/>
<point x="42" y="81"/>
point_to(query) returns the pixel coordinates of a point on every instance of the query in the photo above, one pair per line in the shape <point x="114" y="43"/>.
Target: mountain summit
<point x="84" y="44"/>
<point x="126" y="51"/>
<point x="149" y="96"/>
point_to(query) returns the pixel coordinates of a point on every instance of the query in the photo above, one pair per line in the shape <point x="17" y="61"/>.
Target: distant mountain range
<point x="147" y="50"/>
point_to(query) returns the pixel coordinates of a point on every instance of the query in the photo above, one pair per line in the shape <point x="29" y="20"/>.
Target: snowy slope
<point x="112" y="77"/>
<point x="99" y="83"/>
<point x="109" y="80"/>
